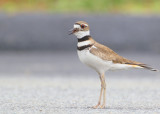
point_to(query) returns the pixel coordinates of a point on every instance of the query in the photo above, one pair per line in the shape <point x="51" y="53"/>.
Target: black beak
<point x="72" y="31"/>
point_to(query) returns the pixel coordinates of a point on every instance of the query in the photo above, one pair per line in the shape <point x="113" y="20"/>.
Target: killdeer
<point x="100" y="57"/>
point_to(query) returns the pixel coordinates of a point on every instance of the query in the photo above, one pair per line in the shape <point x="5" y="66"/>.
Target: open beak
<point x="72" y="31"/>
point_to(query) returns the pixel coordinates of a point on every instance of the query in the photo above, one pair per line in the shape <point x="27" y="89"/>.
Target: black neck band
<point x="84" y="47"/>
<point x="84" y="38"/>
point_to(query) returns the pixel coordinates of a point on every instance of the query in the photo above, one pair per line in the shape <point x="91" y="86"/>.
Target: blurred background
<point x="34" y="33"/>
<point x="39" y="67"/>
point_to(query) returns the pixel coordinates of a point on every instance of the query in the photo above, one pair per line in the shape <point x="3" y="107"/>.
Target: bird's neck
<point x="85" y="38"/>
<point x="82" y="34"/>
<point x="85" y="42"/>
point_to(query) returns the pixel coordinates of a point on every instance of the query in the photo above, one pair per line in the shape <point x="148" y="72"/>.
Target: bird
<point x="100" y="57"/>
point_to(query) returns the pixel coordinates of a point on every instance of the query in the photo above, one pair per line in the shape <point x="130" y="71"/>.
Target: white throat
<point x="81" y="34"/>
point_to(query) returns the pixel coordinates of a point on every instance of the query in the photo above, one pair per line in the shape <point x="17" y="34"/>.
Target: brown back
<point x="108" y="54"/>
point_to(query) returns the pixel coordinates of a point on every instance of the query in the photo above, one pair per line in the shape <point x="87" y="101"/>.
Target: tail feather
<point x="147" y="67"/>
<point x="144" y="66"/>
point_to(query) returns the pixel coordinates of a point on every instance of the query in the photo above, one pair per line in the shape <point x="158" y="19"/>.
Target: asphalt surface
<point x="57" y="83"/>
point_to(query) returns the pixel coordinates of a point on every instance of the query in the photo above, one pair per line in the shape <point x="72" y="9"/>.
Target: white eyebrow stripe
<point x="85" y="24"/>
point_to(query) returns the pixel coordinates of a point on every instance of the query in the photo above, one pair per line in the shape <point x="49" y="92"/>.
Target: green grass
<point x="91" y="6"/>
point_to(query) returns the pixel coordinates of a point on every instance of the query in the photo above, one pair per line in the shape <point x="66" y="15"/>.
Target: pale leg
<point x="99" y="102"/>
<point x="104" y="92"/>
<point x="103" y="89"/>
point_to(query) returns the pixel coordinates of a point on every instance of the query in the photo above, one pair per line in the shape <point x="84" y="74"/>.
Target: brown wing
<point x="106" y="53"/>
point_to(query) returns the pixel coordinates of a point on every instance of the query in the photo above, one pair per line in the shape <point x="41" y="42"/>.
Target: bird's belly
<point x="93" y="61"/>
<point x="101" y="66"/>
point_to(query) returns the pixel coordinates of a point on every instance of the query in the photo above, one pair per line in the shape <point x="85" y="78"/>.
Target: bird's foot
<point x="102" y="106"/>
<point x="99" y="106"/>
<point x="96" y="106"/>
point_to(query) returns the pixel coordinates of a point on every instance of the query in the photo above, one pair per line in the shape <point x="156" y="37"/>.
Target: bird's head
<point x="80" y="29"/>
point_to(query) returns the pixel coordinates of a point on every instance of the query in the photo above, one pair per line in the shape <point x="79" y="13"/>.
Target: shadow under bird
<point x="100" y="57"/>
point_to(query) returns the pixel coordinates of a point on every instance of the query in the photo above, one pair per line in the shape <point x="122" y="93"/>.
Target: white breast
<point x="101" y="66"/>
<point x="93" y="61"/>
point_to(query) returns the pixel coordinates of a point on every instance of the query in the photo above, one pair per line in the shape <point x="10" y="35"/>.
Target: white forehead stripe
<point x="76" y="26"/>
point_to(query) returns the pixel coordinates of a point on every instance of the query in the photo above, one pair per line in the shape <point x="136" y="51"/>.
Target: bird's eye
<point x="82" y="26"/>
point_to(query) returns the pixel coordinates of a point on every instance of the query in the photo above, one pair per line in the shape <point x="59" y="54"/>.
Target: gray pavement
<point x="57" y="83"/>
